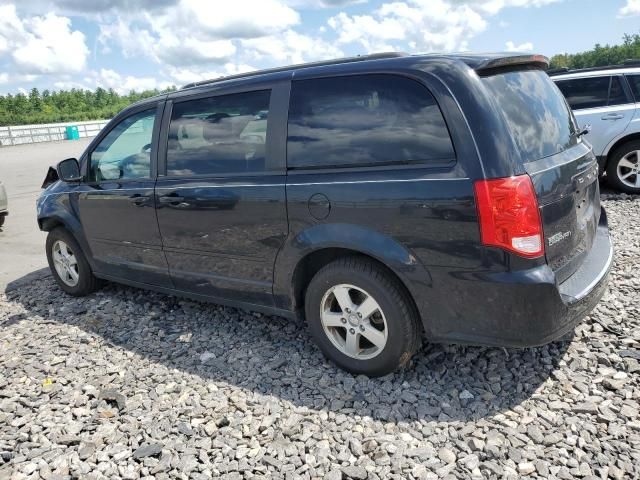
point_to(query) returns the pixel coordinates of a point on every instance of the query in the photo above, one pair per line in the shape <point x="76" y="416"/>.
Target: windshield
<point x="535" y="111"/>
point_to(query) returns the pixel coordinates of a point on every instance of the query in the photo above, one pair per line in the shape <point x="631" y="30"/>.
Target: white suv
<point x="608" y="99"/>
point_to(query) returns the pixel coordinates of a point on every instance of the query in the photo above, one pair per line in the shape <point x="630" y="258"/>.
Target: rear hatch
<point x="561" y="165"/>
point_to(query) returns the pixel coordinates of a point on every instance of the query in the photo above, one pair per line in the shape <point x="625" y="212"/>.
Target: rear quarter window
<point x="617" y="95"/>
<point x="634" y="82"/>
<point x="364" y="120"/>
<point x="536" y="113"/>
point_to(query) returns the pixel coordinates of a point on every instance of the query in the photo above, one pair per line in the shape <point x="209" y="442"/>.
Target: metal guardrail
<point x="50" y="132"/>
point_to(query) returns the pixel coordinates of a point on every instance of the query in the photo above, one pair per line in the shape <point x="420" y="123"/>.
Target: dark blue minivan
<point x="381" y="197"/>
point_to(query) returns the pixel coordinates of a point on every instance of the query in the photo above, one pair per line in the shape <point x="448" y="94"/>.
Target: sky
<point x="142" y="44"/>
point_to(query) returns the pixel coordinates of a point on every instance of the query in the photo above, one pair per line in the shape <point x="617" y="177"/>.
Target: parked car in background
<point x="3" y="204"/>
<point x="608" y="99"/>
<point x="380" y="197"/>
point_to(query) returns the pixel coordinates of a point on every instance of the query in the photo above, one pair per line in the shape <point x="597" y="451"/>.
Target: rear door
<point x="221" y="192"/>
<point x="603" y="103"/>
<point x="561" y="165"/>
<point x="117" y="207"/>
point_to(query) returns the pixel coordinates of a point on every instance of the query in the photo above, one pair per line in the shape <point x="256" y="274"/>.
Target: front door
<point x="117" y="205"/>
<point x="221" y="194"/>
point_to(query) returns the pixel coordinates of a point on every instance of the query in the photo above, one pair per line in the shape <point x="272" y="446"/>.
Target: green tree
<point x="35" y="102"/>
<point x="601" y="55"/>
<point x="66" y="105"/>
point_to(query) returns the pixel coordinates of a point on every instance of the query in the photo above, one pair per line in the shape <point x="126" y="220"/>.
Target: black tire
<point x="2" y="217"/>
<point x="403" y="325"/>
<point x="87" y="282"/>
<point x="612" y="167"/>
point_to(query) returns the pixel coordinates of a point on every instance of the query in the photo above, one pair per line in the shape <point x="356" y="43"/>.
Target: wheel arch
<point x="302" y="257"/>
<point x="310" y="264"/>
<point x="615" y="145"/>
<point x="49" y="222"/>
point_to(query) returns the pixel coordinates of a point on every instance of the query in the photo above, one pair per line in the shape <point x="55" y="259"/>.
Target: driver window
<point x="125" y="152"/>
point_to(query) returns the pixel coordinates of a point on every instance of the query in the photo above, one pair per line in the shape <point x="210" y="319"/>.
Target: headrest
<point x="217" y="127"/>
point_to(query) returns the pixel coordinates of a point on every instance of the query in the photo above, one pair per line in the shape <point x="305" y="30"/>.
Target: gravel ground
<point x="133" y="384"/>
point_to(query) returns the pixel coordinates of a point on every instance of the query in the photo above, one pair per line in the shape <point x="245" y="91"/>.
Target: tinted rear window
<point x="634" y="81"/>
<point x="593" y="92"/>
<point x="590" y="92"/>
<point x="364" y="120"/>
<point x="535" y="111"/>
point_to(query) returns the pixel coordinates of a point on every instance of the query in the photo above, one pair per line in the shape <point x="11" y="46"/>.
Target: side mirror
<point x="69" y="170"/>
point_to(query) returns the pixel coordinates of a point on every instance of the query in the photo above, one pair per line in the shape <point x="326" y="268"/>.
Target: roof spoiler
<point x="494" y="65"/>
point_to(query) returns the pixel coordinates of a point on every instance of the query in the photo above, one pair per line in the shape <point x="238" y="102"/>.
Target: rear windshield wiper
<point x="586" y="129"/>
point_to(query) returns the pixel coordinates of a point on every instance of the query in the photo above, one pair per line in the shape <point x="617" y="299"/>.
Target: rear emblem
<point x="558" y="237"/>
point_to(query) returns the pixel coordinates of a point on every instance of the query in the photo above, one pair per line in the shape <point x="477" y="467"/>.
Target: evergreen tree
<point x="600" y="55"/>
<point x="65" y="105"/>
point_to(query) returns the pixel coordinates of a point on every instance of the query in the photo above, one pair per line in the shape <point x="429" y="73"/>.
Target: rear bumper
<point x="529" y="308"/>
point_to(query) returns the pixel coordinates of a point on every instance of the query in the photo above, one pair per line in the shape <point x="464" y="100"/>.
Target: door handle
<point x="171" y="199"/>
<point x="613" y="116"/>
<point x="138" y="200"/>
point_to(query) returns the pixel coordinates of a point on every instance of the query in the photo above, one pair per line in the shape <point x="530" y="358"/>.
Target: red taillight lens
<point x="509" y="215"/>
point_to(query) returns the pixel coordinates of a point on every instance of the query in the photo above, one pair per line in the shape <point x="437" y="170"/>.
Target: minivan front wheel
<point x="361" y="317"/>
<point x="623" y="169"/>
<point x="68" y="264"/>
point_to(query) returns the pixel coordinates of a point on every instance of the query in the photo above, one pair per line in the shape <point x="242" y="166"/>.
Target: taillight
<point x="509" y="215"/>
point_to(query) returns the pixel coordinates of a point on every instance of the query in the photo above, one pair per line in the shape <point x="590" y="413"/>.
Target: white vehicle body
<point x="607" y="100"/>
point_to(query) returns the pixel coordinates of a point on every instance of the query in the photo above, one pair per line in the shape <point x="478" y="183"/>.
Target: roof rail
<point x="626" y="64"/>
<point x="255" y="73"/>
<point x="556" y="71"/>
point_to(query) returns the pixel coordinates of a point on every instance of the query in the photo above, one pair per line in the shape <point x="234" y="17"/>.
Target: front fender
<point x="60" y="208"/>
<point x="358" y="239"/>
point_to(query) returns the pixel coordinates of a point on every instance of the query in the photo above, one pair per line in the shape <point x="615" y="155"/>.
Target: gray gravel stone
<point x="150" y="450"/>
<point x="526" y="468"/>
<point x="355" y="472"/>
<point x="333" y="475"/>
<point x="111" y="396"/>
<point x="86" y="449"/>
<point x="446" y="455"/>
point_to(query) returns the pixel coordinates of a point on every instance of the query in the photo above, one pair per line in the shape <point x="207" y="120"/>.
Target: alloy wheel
<point x="354" y="321"/>
<point x="65" y="263"/>
<point x="628" y="169"/>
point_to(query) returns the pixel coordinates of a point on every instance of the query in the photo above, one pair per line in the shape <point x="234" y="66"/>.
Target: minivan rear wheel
<point x="623" y="169"/>
<point x="361" y="317"/>
<point x="68" y="264"/>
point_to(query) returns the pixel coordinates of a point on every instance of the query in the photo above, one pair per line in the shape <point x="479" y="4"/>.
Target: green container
<point x="72" y="132"/>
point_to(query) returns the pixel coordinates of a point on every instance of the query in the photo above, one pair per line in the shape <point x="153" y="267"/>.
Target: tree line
<point x="600" y="56"/>
<point x="66" y="105"/>
<point x="77" y="105"/>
